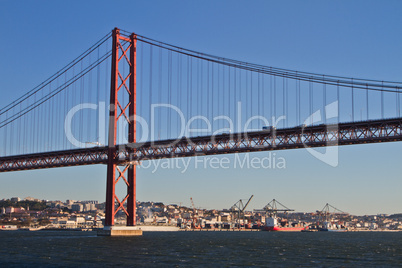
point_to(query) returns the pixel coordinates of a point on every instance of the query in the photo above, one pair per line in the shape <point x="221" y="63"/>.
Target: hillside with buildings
<point x="72" y="214"/>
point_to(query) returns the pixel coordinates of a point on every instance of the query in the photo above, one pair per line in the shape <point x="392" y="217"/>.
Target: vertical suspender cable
<point x="224" y="100"/>
<point x="382" y="100"/>
<point x="399" y="102"/>
<point x="98" y="102"/>
<point x="251" y="98"/>
<point x="274" y="100"/>
<point x="223" y="95"/>
<point x="247" y="104"/>
<point x="286" y="119"/>
<point x="353" y="103"/>
<point x="235" y="99"/>
<point x="65" y="108"/>
<point x="199" y="92"/>
<point x="219" y="93"/>
<point x="24" y="133"/>
<point x="283" y="100"/>
<point x="271" y="105"/>
<point x="191" y="107"/>
<point x="178" y="85"/>
<point x="212" y="96"/>
<point x="258" y="97"/>
<point x="264" y="114"/>
<point x="170" y="93"/>
<point x="81" y="95"/>
<point x="89" y="115"/>
<point x="367" y="102"/>
<point x="196" y="90"/>
<point x="208" y="108"/>
<point x="202" y="92"/>
<point x="5" y="136"/>
<point x="230" y="100"/>
<point x="396" y="104"/>
<point x="241" y="99"/>
<point x="310" y="101"/>
<point x="338" y="98"/>
<point x="150" y="90"/>
<point x="160" y="93"/>
<point x="141" y="90"/>
<point x="107" y="96"/>
<point x="188" y="92"/>
<point x="38" y="128"/>
<point x="49" y="122"/>
<point x="298" y="82"/>
<point x="297" y="102"/>
<point x="324" y="99"/>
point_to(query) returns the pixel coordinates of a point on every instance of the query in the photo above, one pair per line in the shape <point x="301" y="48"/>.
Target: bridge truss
<point x="266" y="140"/>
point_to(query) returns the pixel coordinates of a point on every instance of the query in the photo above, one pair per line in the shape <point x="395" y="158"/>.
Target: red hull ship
<point x="273" y="224"/>
<point x="284" y="229"/>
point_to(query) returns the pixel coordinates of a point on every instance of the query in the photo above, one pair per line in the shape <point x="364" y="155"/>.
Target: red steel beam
<point x="132" y="132"/>
<point x="111" y="165"/>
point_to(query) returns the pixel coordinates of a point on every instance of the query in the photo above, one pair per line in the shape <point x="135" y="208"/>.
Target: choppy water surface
<point x="230" y="249"/>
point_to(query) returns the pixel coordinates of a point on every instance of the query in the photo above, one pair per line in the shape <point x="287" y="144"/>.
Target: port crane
<point x="271" y="210"/>
<point x="326" y="211"/>
<point x="194" y="224"/>
<point x="273" y="207"/>
<point x="239" y="207"/>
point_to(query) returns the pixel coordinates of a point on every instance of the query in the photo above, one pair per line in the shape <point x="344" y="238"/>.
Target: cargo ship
<point x="272" y="224"/>
<point x="329" y="227"/>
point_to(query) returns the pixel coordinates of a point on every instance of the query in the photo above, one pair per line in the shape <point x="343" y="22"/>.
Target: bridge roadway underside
<point x="372" y="131"/>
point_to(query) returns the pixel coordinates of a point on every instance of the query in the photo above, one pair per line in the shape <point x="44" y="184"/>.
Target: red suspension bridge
<point x="183" y="103"/>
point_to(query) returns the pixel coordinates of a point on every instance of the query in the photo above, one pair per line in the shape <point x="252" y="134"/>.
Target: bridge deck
<point x="265" y="140"/>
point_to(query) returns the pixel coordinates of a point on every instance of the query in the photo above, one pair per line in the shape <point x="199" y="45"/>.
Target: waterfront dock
<point x="220" y="230"/>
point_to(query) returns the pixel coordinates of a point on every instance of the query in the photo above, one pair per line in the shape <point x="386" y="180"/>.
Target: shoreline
<point x="160" y="228"/>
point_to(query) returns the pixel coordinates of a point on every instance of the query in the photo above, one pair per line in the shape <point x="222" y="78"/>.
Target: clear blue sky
<point x="351" y="38"/>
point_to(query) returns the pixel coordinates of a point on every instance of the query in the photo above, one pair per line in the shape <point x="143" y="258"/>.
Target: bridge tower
<point x="123" y="52"/>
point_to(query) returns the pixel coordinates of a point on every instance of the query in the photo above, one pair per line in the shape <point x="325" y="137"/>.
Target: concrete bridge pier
<point x="120" y="231"/>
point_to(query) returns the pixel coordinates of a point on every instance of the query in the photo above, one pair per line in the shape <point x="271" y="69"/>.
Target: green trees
<point x="33" y="205"/>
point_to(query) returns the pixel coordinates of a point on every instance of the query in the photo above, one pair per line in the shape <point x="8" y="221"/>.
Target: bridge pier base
<point x="120" y="231"/>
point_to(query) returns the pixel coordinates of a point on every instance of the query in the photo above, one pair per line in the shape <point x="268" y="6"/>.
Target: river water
<point x="201" y="249"/>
